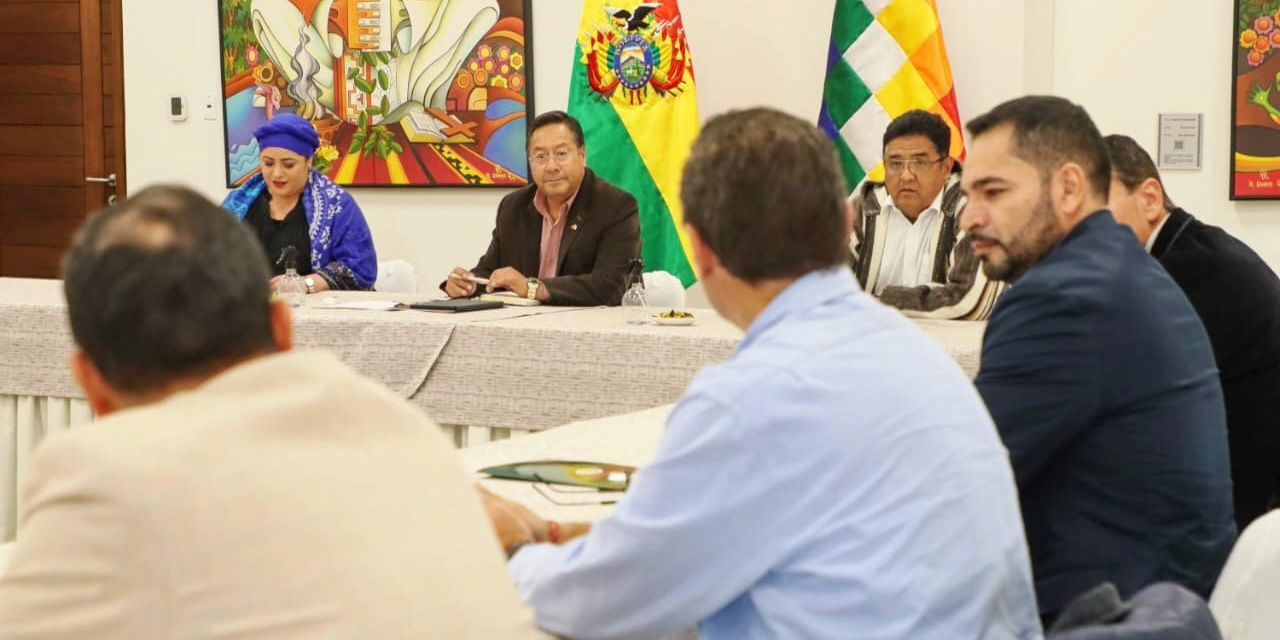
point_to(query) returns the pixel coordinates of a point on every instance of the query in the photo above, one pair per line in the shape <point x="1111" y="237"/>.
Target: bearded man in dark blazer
<point x="1095" y="367"/>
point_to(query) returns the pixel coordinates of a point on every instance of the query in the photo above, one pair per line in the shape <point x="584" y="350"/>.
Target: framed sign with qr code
<point x="1179" y="145"/>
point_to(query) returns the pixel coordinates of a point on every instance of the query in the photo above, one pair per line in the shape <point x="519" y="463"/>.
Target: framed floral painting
<point x="403" y="92"/>
<point x="1255" y="101"/>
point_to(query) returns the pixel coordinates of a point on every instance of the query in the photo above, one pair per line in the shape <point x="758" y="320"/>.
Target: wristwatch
<point x="311" y="284"/>
<point x="532" y="293"/>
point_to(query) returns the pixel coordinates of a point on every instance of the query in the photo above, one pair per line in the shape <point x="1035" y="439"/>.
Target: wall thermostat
<point x="177" y="108"/>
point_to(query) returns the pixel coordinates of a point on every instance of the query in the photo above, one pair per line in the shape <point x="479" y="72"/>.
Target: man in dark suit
<point x="566" y="239"/>
<point x="1238" y="298"/>
<point x="1095" y="367"/>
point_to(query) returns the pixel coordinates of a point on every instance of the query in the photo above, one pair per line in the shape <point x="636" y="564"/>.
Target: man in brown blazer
<point x="568" y="238"/>
<point x="232" y="487"/>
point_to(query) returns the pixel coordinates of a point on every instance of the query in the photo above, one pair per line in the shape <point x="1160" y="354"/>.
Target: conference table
<point x="629" y="439"/>
<point x="484" y="374"/>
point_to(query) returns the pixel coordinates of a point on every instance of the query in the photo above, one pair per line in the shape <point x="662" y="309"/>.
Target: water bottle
<point x="290" y="286"/>
<point x="635" y="308"/>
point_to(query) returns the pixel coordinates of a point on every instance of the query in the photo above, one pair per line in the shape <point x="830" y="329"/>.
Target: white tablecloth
<point x="396" y="348"/>
<point x="538" y="372"/>
<point x="25" y="421"/>
<point x="517" y="367"/>
<point x="521" y="368"/>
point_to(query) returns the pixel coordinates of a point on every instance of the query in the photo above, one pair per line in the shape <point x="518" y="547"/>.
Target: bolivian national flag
<point x="632" y="89"/>
<point x="886" y="57"/>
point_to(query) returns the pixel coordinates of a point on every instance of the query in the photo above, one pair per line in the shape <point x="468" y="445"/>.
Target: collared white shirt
<point x="909" y="247"/>
<point x="1155" y="233"/>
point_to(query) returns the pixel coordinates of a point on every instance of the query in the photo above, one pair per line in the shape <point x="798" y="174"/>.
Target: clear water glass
<point x="635" y="308"/>
<point x="291" y="288"/>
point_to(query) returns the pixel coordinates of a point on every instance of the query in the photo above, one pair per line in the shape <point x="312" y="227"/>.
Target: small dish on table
<point x="673" y="317"/>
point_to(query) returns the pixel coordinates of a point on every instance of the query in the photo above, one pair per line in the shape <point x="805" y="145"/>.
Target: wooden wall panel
<point x="40" y="78"/>
<point x="40" y="17"/>
<point x="26" y="200"/>
<point x="40" y="48"/>
<point x="19" y="261"/>
<point x="38" y="109"/>
<point x="40" y="231"/>
<point x="18" y="140"/>
<point x="51" y="134"/>
<point x="66" y="171"/>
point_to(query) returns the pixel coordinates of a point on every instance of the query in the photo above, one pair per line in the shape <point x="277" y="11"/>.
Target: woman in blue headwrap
<point x="290" y="204"/>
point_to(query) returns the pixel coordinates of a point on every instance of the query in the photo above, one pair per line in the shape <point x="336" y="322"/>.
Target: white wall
<point x="1125" y="60"/>
<point x="1128" y="61"/>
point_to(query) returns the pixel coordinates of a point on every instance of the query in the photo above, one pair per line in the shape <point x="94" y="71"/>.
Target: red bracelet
<point x="553" y="532"/>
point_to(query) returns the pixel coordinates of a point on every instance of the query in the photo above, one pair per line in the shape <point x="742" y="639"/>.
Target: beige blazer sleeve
<point x="80" y="566"/>
<point x="325" y="509"/>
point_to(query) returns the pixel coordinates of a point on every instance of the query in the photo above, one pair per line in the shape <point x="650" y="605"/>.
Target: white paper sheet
<point x="364" y="305"/>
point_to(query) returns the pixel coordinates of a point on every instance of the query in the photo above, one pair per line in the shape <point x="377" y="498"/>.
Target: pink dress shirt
<point x="552" y="233"/>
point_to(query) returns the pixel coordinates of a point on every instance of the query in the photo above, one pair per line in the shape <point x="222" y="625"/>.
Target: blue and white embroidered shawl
<point x="341" y="247"/>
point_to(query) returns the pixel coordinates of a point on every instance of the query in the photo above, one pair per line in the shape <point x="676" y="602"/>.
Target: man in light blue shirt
<point x="837" y="478"/>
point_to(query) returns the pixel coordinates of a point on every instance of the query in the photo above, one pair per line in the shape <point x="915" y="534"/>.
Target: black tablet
<point x="456" y="305"/>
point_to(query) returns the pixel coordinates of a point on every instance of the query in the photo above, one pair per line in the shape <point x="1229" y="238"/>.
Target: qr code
<point x="1177" y="145"/>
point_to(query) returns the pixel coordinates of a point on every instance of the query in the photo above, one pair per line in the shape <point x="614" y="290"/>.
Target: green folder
<point x="596" y="475"/>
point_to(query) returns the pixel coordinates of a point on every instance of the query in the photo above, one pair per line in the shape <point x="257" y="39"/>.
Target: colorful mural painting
<point x="1255" y="106"/>
<point x="403" y="92"/>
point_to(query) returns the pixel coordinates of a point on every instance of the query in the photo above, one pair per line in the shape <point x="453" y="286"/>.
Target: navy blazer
<point x="1238" y="298"/>
<point x="1102" y="383"/>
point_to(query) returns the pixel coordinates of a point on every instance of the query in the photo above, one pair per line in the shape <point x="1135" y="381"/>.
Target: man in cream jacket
<point x="232" y="488"/>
